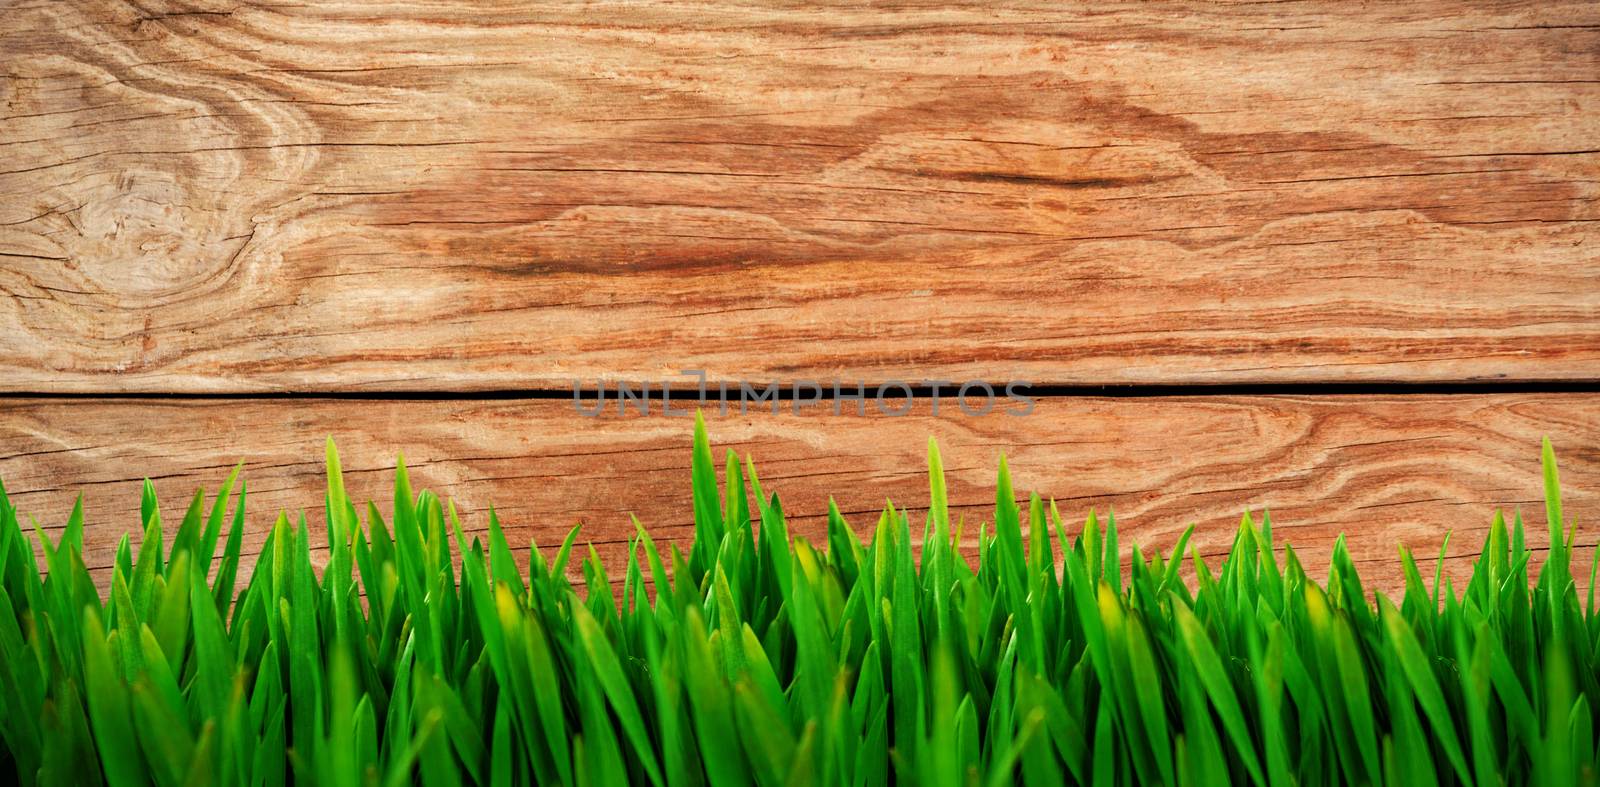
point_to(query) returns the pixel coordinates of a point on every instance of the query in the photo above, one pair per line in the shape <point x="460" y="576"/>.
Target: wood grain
<point x="213" y="195"/>
<point x="1387" y="471"/>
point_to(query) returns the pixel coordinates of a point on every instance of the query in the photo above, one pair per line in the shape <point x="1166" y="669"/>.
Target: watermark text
<point x="891" y="398"/>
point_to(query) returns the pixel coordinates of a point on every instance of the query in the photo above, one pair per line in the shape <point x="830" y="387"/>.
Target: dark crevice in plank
<point x="685" y="394"/>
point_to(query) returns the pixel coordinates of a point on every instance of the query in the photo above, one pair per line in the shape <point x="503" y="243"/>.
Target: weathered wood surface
<point x="230" y="196"/>
<point x="1387" y="471"/>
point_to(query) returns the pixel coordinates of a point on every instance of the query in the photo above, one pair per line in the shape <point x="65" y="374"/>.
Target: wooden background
<point x="230" y="229"/>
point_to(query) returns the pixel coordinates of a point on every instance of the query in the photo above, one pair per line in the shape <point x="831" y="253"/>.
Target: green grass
<point x="421" y="656"/>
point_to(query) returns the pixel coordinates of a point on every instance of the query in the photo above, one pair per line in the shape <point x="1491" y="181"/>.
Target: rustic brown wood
<point x="1387" y="471"/>
<point x="346" y="195"/>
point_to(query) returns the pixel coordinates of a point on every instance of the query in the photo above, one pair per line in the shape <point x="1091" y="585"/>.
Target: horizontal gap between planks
<point x="688" y="393"/>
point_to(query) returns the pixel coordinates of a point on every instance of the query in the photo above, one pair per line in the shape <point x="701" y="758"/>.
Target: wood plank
<point x="349" y="195"/>
<point x="1387" y="471"/>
